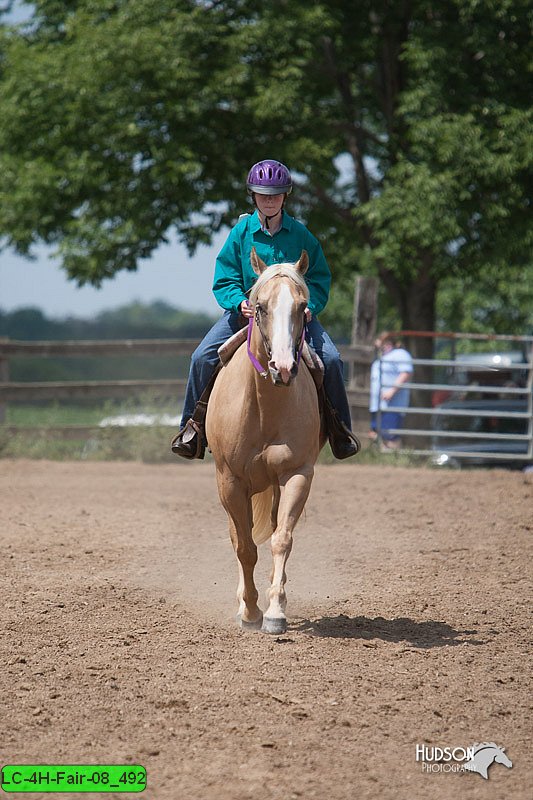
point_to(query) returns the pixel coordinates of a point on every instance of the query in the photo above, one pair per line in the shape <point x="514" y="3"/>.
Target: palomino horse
<point x="264" y="433"/>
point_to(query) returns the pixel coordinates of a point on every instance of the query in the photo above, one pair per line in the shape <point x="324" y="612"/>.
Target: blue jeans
<point x="205" y="358"/>
<point x="389" y="419"/>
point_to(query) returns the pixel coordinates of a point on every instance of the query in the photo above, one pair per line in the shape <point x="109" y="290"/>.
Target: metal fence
<point x="480" y="407"/>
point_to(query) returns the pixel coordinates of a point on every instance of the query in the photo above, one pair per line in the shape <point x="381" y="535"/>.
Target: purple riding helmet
<point x="269" y="177"/>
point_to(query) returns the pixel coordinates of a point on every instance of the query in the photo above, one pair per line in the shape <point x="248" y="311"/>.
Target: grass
<point x="148" y="444"/>
<point x="57" y="414"/>
<point x="371" y="454"/>
<point x="41" y="439"/>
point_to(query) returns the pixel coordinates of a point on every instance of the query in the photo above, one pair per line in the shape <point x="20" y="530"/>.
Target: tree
<point x="406" y="122"/>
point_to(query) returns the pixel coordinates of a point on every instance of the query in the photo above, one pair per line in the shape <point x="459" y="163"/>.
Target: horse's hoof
<point x="274" y="625"/>
<point x="249" y="626"/>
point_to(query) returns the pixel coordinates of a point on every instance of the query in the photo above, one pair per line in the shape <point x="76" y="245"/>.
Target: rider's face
<point x="269" y="204"/>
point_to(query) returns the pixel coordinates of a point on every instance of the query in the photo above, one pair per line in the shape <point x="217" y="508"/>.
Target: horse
<point x="484" y="755"/>
<point x="264" y="431"/>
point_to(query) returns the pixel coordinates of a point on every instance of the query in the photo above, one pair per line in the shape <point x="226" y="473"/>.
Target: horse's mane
<point x="485" y="745"/>
<point x="281" y="271"/>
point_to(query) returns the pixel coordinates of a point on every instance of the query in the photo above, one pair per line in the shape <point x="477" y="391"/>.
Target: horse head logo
<point x="484" y="755"/>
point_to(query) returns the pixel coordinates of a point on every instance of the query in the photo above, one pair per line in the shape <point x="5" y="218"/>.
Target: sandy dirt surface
<point x="409" y="623"/>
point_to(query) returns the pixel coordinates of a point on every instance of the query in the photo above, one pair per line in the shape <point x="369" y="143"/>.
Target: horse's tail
<point x="262" y="515"/>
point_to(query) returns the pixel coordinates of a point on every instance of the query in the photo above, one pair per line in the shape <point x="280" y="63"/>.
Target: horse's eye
<point x="261" y="309"/>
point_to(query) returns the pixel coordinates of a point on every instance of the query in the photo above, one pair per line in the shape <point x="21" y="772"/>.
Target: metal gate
<point x="479" y="406"/>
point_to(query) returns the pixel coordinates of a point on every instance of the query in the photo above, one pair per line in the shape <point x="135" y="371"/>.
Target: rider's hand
<point x="308" y="315"/>
<point x="388" y="394"/>
<point x="246" y="309"/>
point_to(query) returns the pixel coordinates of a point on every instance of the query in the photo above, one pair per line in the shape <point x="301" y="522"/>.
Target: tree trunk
<point x="416" y="302"/>
<point x="418" y="314"/>
<point x="418" y="311"/>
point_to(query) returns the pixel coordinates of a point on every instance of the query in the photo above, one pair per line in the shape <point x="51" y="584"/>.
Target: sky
<point x="170" y="274"/>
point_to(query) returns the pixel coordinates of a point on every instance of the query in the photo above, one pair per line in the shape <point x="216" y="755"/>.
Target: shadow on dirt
<point x="424" y="635"/>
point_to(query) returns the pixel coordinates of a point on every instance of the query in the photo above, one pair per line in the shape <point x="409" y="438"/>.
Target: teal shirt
<point x="234" y="275"/>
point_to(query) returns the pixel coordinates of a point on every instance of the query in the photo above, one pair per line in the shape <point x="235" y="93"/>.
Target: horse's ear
<point x="258" y="265"/>
<point x="303" y="263"/>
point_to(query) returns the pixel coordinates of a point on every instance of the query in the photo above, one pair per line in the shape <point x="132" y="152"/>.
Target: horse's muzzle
<point x="278" y="377"/>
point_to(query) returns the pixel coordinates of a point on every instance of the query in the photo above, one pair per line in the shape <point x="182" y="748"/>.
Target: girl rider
<point x="277" y="238"/>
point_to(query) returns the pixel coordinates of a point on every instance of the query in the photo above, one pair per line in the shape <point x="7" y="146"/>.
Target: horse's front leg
<point x="294" y="493"/>
<point x="237" y="504"/>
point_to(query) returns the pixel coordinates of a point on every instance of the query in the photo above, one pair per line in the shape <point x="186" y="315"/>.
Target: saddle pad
<point x="314" y="364"/>
<point x="226" y="350"/>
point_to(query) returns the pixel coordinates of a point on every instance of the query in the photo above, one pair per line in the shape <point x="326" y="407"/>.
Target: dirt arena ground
<point x="409" y="625"/>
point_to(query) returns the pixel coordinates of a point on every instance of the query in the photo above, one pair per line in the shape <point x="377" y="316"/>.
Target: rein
<point x="257" y="364"/>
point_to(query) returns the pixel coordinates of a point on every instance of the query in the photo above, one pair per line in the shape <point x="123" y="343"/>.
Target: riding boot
<point x="342" y="441"/>
<point x="191" y="440"/>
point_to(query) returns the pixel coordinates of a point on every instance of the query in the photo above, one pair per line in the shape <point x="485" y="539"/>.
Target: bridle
<point x="266" y="344"/>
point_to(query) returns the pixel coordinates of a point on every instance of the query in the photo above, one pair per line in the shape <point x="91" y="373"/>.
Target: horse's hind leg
<point x="294" y="493"/>
<point x="239" y="509"/>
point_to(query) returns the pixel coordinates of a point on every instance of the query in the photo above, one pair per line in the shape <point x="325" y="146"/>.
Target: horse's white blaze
<point x="282" y="344"/>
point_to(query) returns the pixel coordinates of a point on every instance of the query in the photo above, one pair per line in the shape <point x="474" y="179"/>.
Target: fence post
<point x="4" y="376"/>
<point x="363" y="333"/>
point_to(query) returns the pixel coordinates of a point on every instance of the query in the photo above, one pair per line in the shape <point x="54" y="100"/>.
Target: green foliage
<point x="338" y="315"/>
<point x="157" y="320"/>
<point x="488" y="302"/>
<point x="150" y="321"/>
<point x="408" y="127"/>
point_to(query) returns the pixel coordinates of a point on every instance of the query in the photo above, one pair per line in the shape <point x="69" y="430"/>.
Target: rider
<point x="277" y="238"/>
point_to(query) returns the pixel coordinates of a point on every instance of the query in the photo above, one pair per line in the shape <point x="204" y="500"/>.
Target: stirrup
<point x="184" y="444"/>
<point x="343" y="442"/>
